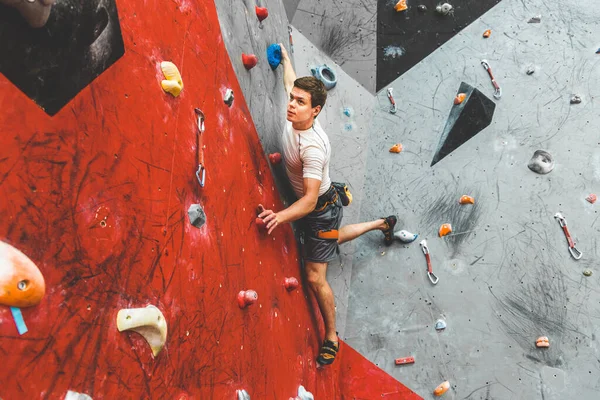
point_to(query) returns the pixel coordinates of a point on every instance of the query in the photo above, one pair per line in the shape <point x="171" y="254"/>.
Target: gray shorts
<point x="315" y="249"/>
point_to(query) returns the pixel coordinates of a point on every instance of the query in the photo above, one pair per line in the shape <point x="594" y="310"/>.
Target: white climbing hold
<point x="242" y="395"/>
<point x="405" y="236"/>
<point x="148" y="322"/>
<point x="440" y="325"/>
<point x="444" y="9"/>
<point x="303" y="394"/>
<point x="76" y="396"/>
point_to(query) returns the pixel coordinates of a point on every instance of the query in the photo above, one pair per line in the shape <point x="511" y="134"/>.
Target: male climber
<point x="306" y="151"/>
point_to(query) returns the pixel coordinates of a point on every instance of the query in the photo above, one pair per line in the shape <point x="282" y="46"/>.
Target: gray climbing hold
<point x="228" y="98"/>
<point x="325" y="75"/>
<point x="422" y="7"/>
<point x="575" y="99"/>
<point x="242" y="395"/>
<point x="535" y="20"/>
<point x="444" y="9"/>
<point x="542" y="162"/>
<point x="587" y="272"/>
<point x="197" y="215"/>
<point x="303" y="394"/>
<point x="530" y="70"/>
<point x="440" y="325"/>
<point x="405" y="236"/>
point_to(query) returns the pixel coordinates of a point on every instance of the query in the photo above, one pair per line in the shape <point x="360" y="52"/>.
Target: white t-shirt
<point x="306" y="154"/>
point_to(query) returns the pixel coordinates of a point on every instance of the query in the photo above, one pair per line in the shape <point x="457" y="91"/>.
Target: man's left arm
<point x="301" y="208"/>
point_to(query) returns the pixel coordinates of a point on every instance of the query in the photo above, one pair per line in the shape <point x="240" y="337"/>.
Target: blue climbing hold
<point x="325" y="75"/>
<point x="274" y="55"/>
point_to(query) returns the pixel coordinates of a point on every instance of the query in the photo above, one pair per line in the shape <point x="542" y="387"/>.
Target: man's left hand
<point x="271" y="218"/>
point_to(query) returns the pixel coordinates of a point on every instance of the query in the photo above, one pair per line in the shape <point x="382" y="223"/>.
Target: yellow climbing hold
<point x="173" y="83"/>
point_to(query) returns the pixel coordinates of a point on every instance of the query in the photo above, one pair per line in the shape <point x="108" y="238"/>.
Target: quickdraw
<point x="201" y="173"/>
<point x="563" y="224"/>
<point x="434" y="279"/>
<point x="498" y="91"/>
<point x="390" y="95"/>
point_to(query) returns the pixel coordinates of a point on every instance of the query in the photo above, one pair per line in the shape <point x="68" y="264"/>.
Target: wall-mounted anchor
<point x="498" y="91"/>
<point x="201" y="173"/>
<point x="563" y="224"/>
<point x="390" y="95"/>
<point x="434" y="279"/>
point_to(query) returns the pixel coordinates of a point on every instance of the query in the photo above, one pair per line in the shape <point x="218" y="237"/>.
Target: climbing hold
<point x="440" y="325"/>
<point x="274" y="55"/>
<point x="530" y="70"/>
<point x="598" y="51"/>
<point x="397" y="148"/>
<point x="196" y="215"/>
<point x="442" y="388"/>
<point x="347" y="111"/>
<point x="405" y="236"/>
<point x="404" y="360"/>
<point x="148" y="322"/>
<point x="466" y="200"/>
<point x="535" y="20"/>
<point x="249" y="60"/>
<point x="260" y="223"/>
<point x="76" y="396"/>
<point x="290" y="283"/>
<point x="304" y="394"/>
<point x="261" y="13"/>
<point x="401" y="6"/>
<point x="228" y="98"/>
<point x="275" y="158"/>
<point x="587" y="272"/>
<point x="575" y="99"/>
<point x="21" y="282"/>
<point x="444" y="9"/>
<point x="541" y="162"/>
<point x="542" y="341"/>
<point x="325" y="75"/>
<point x="246" y="298"/>
<point x="487" y="33"/>
<point x="592" y="198"/>
<point x="445" y="229"/>
<point x="242" y="395"/>
<point x="173" y="83"/>
<point x="422" y="7"/>
<point x="460" y="98"/>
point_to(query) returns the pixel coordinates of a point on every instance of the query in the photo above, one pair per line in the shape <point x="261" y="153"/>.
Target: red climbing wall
<point x="98" y="195"/>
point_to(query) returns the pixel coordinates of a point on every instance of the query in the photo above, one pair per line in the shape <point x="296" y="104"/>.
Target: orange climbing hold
<point x="445" y="229"/>
<point x="466" y="200"/>
<point x="21" y="282"/>
<point x="459" y="98"/>
<point x="592" y="198"/>
<point x="487" y="33"/>
<point x="542" y="341"/>
<point x="442" y="388"/>
<point x="401" y="6"/>
<point x="397" y="148"/>
<point x="249" y="60"/>
<point x="261" y="13"/>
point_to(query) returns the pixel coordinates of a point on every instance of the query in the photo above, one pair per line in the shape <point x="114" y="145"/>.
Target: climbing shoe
<point x="389" y="231"/>
<point x="328" y="352"/>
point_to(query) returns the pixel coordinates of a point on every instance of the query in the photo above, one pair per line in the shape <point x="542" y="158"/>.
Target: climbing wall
<point x="96" y="191"/>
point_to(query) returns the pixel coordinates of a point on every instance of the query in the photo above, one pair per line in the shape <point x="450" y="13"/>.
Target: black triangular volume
<point x="466" y="120"/>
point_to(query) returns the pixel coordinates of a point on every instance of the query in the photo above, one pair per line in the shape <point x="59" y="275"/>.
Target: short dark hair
<point x="316" y="88"/>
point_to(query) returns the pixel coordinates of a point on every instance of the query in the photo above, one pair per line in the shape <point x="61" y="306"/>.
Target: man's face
<point x="299" y="107"/>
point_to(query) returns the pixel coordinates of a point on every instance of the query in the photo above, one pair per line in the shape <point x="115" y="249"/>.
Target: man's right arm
<point x="289" y="76"/>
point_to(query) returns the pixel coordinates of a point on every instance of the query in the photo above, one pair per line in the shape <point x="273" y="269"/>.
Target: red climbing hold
<point x="291" y="284"/>
<point x="275" y="158"/>
<point x="261" y="13"/>
<point x="249" y="60"/>
<point x="246" y="298"/>
<point x="592" y="198"/>
<point x="260" y="223"/>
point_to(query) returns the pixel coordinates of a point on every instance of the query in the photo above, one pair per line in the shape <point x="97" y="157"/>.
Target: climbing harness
<point x="498" y="92"/>
<point x="434" y="279"/>
<point x="325" y="75"/>
<point x="563" y="224"/>
<point x="201" y="173"/>
<point x="390" y="96"/>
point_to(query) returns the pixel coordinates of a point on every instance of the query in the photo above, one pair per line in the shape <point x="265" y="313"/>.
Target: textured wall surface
<point x="97" y="196"/>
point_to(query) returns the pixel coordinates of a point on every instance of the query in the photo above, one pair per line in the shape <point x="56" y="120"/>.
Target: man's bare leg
<point x="350" y="232"/>
<point x="35" y="12"/>
<point x="316" y="275"/>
